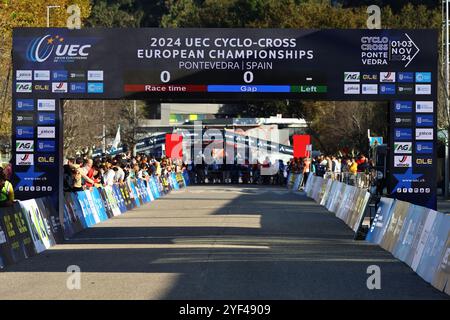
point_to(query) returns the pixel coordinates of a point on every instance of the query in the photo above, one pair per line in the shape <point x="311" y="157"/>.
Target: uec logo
<point x="40" y="49"/>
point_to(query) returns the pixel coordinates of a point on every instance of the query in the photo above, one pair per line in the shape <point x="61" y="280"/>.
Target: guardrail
<point x="416" y="235"/>
<point x="29" y="228"/>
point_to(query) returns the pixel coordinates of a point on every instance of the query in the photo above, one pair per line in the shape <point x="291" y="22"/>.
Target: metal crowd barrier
<point x="416" y="235"/>
<point x="31" y="226"/>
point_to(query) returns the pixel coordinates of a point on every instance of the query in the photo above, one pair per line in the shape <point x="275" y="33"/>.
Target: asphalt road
<point x="217" y="242"/>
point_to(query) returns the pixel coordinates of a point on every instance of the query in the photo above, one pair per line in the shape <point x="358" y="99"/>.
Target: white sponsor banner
<point x="369" y="89"/>
<point x="423" y="88"/>
<point x="25" y="159"/>
<point x="387" y="76"/>
<point x="46" y="132"/>
<point x="402" y="161"/>
<point x="59" y="87"/>
<point x="351" y="89"/>
<point x="24" y="75"/>
<point x="46" y="105"/>
<point x="95" y="75"/>
<point x="424" y="106"/>
<point x="424" y="134"/>
<point x="41" y="75"/>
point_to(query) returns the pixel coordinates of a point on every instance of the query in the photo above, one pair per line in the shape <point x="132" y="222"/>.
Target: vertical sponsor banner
<point x="18" y="237"/>
<point x="78" y="210"/>
<point x="87" y="212"/>
<point x="98" y="202"/>
<point x="413" y="155"/>
<point x="155" y="187"/>
<point x="431" y="217"/>
<point x="186" y="178"/>
<point x="380" y="221"/>
<point x="298" y="182"/>
<point x="433" y="247"/>
<point x="326" y="192"/>
<point x="48" y="211"/>
<point x="118" y="196"/>
<point x="300" y="141"/>
<point x="135" y="194"/>
<point x="441" y="278"/>
<point x="112" y="200"/>
<point x="408" y="231"/>
<point x="105" y="201"/>
<point x="38" y="225"/>
<point x="47" y="207"/>
<point x="6" y="257"/>
<point x="146" y="192"/>
<point x="126" y="197"/>
<point x="92" y="206"/>
<point x="72" y="221"/>
<point x="400" y="210"/>
<point x="173" y="176"/>
<point x="358" y="217"/>
<point x="291" y="180"/>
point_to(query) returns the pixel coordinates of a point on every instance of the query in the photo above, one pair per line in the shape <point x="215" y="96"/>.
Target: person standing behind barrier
<point x="6" y="191"/>
<point x="108" y="176"/>
<point x="8" y="170"/>
<point x="306" y="170"/>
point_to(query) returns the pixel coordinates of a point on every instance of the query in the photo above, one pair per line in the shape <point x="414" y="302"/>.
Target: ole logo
<point x="424" y="161"/>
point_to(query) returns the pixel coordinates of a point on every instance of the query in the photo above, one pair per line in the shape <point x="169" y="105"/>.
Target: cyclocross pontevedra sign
<point x="398" y="66"/>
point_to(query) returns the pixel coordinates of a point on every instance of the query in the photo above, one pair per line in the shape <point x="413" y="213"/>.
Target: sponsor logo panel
<point x="25" y="132"/>
<point x="77" y="87"/>
<point x="423" y="77"/>
<point x="387" y="89"/>
<point x="424" y="120"/>
<point x="45" y="159"/>
<point x="46" y="132"/>
<point x="424" y="134"/>
<point x="403" y="120"/>
<point x="42" y="75"/>
<point x="403" y="106"/>
<point x="25" y="118"/>
<point x="46" y="105"/>
<point x="405" y="89"/>
<point x="24" y="87"/>
<point x="402" y="161"/>
<point x="77" y="76"/>
<point x="348" y="77"/>
<point x="24" y="104"/>
<point x="424" y="106"/>
<point x="423" y="89"/>
<point x="46" y="146"/>
<point x="24" y="75"/>
<point x="421" y="161"/>
<point x="45" y="118"/>
<point x="59" y="75"/>
<point x="424" y="147"/>
<point x="370" y="77"/>
<point x="95" y="87"/>
<point x="369" y="89"/>
<point x="97" y="75"/>
<point x="387" y="76"/>
<point x="403" y="147"/>
<point x="402" y="134"/>
<point x="59" y="87"/>
<point x="41" y="87"/>
<point x="24" y="145"/>
<point x="405" y="77"/>
<point x="25" y="159"/>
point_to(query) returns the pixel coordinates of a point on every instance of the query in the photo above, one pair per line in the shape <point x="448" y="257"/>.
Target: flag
<point x="116" y="141"/>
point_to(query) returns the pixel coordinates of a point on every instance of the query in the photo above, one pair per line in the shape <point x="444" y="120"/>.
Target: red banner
<point x="174" y="146"/>
<point x="300" y="143"/>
